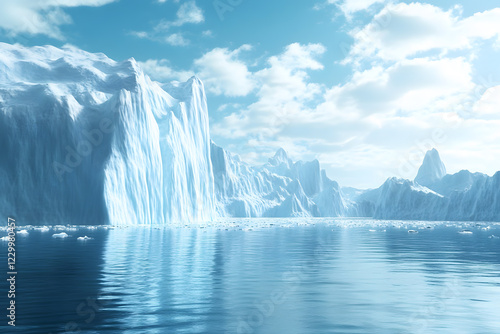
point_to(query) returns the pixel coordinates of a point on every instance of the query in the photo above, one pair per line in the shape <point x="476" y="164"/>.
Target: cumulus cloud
<point x="414" y="85"/>
<point x="224" y="73"/>
<point x="403" y="30"/>
<point x="39" y="16"/>
<point x="161" y="70"/>
<point x="221" y="69"/>
<point x="282" y="97"/>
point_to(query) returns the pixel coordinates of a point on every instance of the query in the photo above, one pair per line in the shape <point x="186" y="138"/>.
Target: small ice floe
<point x="84" y="238"/>
<point x="23" y="232"/>
<point x="465" y="232"/>
<point x="42" y="229"/>
<point x="6" y="238"/>
<point x="60" y="235"/>
<point x="412" y="231"/>
<point x="491" y="237"/>
<point x="372" y="230"/>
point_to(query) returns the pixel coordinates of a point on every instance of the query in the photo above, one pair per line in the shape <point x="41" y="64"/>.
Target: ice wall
<point x="87" y="140"/>
<point x="280" y="188"/>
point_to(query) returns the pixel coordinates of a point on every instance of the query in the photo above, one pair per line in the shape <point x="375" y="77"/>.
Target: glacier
<point x="279" y="188"/>
<point x="433" y="195"/>
<point x="88" y="140"/>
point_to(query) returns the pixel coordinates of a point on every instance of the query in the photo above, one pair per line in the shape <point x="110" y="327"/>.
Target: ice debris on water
<point x="60" y="235"/>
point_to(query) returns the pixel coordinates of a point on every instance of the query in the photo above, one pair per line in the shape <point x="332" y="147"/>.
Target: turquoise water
<point x="260" y="276"/>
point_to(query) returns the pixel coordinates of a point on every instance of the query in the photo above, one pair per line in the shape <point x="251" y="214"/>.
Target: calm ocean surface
<point x="272" y="276"/>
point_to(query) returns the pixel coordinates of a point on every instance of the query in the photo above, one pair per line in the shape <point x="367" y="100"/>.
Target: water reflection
<point x="292" y="278"/>
<point x="57" y="285"/>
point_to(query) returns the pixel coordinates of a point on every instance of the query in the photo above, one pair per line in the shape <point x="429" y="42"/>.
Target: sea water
<point x="267" y="276"/>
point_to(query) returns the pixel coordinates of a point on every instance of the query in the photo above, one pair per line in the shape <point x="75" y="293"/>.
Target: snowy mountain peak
<point x="432" y="169"/>
<point x="279" y="158"/>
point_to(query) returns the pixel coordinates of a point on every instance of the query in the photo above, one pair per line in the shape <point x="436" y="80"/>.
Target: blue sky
<point x="364" y="86"/>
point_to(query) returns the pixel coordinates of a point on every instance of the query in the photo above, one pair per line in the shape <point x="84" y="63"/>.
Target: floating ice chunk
<point x="493" y="237"/>
<point x="6" y="238"/>
<point x="60" y="235"/>
<point x="372" y="230"/>
<point x="465" y="232"/>
<point x="42" y="229"/>
<point x="23" y="232"/>
<point x="84" y="238"/>
<point x="412" y="231"/>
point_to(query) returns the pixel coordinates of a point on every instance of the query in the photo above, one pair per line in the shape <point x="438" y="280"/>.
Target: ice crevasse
<point x="87" y="140"/>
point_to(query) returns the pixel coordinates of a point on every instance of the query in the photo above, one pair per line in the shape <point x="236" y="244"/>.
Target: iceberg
<point x="61" y="235"/>
<point x="87" y="140"/>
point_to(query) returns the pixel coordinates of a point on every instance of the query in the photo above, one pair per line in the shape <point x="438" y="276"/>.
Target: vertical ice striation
<point x="88" y="140"/>
<point x="280" y="188"/>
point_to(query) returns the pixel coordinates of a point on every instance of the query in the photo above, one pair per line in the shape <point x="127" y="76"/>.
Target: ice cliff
<point x="85" y="139"/>
<point x="433" y="195"/>
<point x="280" y="188"/>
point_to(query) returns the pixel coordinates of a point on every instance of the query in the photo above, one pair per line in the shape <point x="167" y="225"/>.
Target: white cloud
<point x="188" y="12"/>
<point x="176" y="39"/>
<point x="403" y="30"/>
<point x="160" y="70"/>
<point x="224" y="73"/>
<point x="350" y="7"/>
<point x="208" y="33"/>
<point x="39" y="16"/>
<point x="221" y="70"/>
<point x="488" y="106"/>
<point x="416" y="85"/>
<point x="282" y="96"/>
